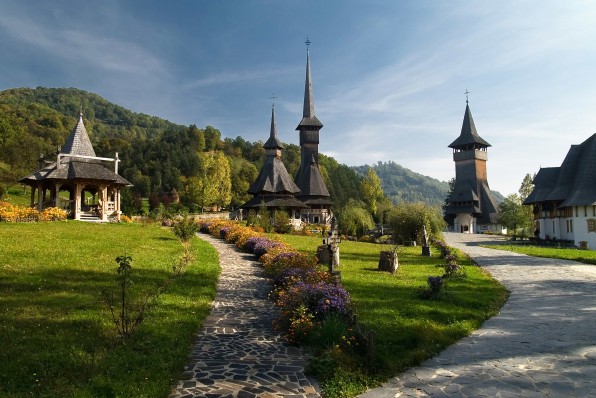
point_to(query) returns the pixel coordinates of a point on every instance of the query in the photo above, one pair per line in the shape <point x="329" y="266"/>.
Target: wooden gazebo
<point x="94" y="190"/>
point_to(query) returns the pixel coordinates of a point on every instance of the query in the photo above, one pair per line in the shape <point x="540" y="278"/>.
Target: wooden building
<point x="274" y="189"/>
<point x="564" y="197"/>
<point x="306" y="199"/>
<point x="471" y="208"/>
<point x="313" y="191"/>
<point x="93" y="189"/>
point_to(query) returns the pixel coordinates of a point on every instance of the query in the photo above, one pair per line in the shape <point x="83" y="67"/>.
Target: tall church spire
<point x="309" y="178"/>
<point x="273" y="142"/>
<point x="309" y="104"/>
<point x="308" y="111"/>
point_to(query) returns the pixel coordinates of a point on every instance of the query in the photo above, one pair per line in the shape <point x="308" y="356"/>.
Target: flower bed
<point x="10" y="213"/>
<point x="305" y="294"/>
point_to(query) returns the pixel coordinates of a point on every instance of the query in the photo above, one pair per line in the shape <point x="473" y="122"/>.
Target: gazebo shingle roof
<point x="75" y="167"/>
<point x="78" y="142"/>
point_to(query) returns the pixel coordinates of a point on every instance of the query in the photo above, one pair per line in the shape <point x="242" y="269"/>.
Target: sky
<point x="388" y="77"/>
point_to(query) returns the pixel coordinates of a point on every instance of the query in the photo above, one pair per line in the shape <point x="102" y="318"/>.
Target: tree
<point x="515" y="216"/>
<point x="408" y="219"/>
<point x="526" y="188"/>
<point x="354" y="219"/>
<point x="212" y="138"/>
<point x="371" y="190"/>
<point x="451" y="183"/>
<point x="216" y="185"/>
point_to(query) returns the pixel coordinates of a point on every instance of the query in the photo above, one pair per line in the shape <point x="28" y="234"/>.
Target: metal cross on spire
<point x="307" y="42"/>
<point x="273" y="98"/>
<point x="466" y="93"/>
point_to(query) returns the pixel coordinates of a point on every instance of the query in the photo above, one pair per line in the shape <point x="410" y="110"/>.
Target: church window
<point x="591" y="225"/>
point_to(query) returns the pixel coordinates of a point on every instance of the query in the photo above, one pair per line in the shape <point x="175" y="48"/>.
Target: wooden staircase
<point x="90" y="217"/>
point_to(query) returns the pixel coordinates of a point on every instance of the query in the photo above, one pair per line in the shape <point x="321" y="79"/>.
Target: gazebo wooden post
<point x="117" y="200"/>
<point x="32" y="196"/>
<point x="40" y="197"/>
<point x="77" y="204"/>
<point x="57" y="194"/>
<point x="103" y="197"/>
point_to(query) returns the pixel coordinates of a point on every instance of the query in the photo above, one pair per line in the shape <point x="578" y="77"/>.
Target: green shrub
<point x="185" y="228"/>
<point x="282" y="222"/>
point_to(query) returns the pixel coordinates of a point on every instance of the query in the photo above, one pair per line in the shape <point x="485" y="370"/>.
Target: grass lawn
<point x="582" y="256"/>
<point x="57" y="337"/>
<point x="408" y="329"/>
<point x="18" y="196"/>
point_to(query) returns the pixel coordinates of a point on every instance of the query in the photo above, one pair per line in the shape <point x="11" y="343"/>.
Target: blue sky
<point x="388" y="76"/>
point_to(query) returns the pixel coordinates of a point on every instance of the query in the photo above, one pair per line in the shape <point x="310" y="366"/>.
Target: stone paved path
<point x="237" y="353"/>
<point x="542" y="344"/>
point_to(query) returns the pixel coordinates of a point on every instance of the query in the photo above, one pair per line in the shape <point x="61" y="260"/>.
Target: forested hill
<point x="158" y="156"/>
<point x="163" y="159"/>
<point x="404" y="185"/>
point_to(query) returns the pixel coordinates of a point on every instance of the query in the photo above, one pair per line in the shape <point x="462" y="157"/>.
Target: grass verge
<point x="582" y="256"/>
<point x="408" y="329"/>
<point x="57" y="336"/>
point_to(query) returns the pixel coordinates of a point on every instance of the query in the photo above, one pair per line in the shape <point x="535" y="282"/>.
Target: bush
<point x="185" y="228"/>
<point x="282" y="222"/>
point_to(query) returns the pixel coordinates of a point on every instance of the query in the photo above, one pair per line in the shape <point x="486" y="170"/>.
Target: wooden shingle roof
<point x="310" y="181"/>
<point x="573" y="183"/>
<point x="78" y="142"/>
<point x="82" y="163"/>
<point x="468" y="134"/>
<point x="273" y="177"/>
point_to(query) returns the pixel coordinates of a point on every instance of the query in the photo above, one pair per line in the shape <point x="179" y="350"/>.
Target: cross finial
<point x="307" y="42"/>
<point x="273" y="98"/>
<point x="466" y="93"/>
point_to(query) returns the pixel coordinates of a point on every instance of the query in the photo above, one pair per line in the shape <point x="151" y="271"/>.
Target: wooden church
<point x="306" y="198"/>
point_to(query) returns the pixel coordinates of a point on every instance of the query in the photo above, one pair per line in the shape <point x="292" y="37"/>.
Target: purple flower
<point x="223" y="233"/>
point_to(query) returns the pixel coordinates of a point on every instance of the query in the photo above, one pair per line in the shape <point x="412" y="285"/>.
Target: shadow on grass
<point x="59" y="339"/>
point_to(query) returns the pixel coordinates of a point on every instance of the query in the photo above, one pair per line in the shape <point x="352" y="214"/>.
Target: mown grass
<point x="57" y="337"/>
<point x="18" y="196"/>
<point x="408" y="329"/>
<point x="582" y="256"/>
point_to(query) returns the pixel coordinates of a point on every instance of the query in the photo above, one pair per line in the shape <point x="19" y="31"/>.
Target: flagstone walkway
<point x="237" y="353"/>
<point x="542" y="344"/>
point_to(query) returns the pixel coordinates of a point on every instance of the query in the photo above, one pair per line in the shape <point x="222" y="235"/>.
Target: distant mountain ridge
<point x="404" y="185"/>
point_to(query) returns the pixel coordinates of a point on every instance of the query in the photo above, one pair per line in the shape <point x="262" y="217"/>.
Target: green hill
<point x="404" y="185"/>
<point x="159" y="156"/>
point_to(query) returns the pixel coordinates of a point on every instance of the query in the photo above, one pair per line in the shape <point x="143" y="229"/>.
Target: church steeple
<point x="308" y="111"/>
<point x="309" y="178"/>
<point x="273" y="142"/>
<point x="468" y="136"/>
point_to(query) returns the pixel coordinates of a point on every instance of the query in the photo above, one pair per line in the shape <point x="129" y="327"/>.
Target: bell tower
<point x="471" y="206"/>
<point x="313" y="191"/>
